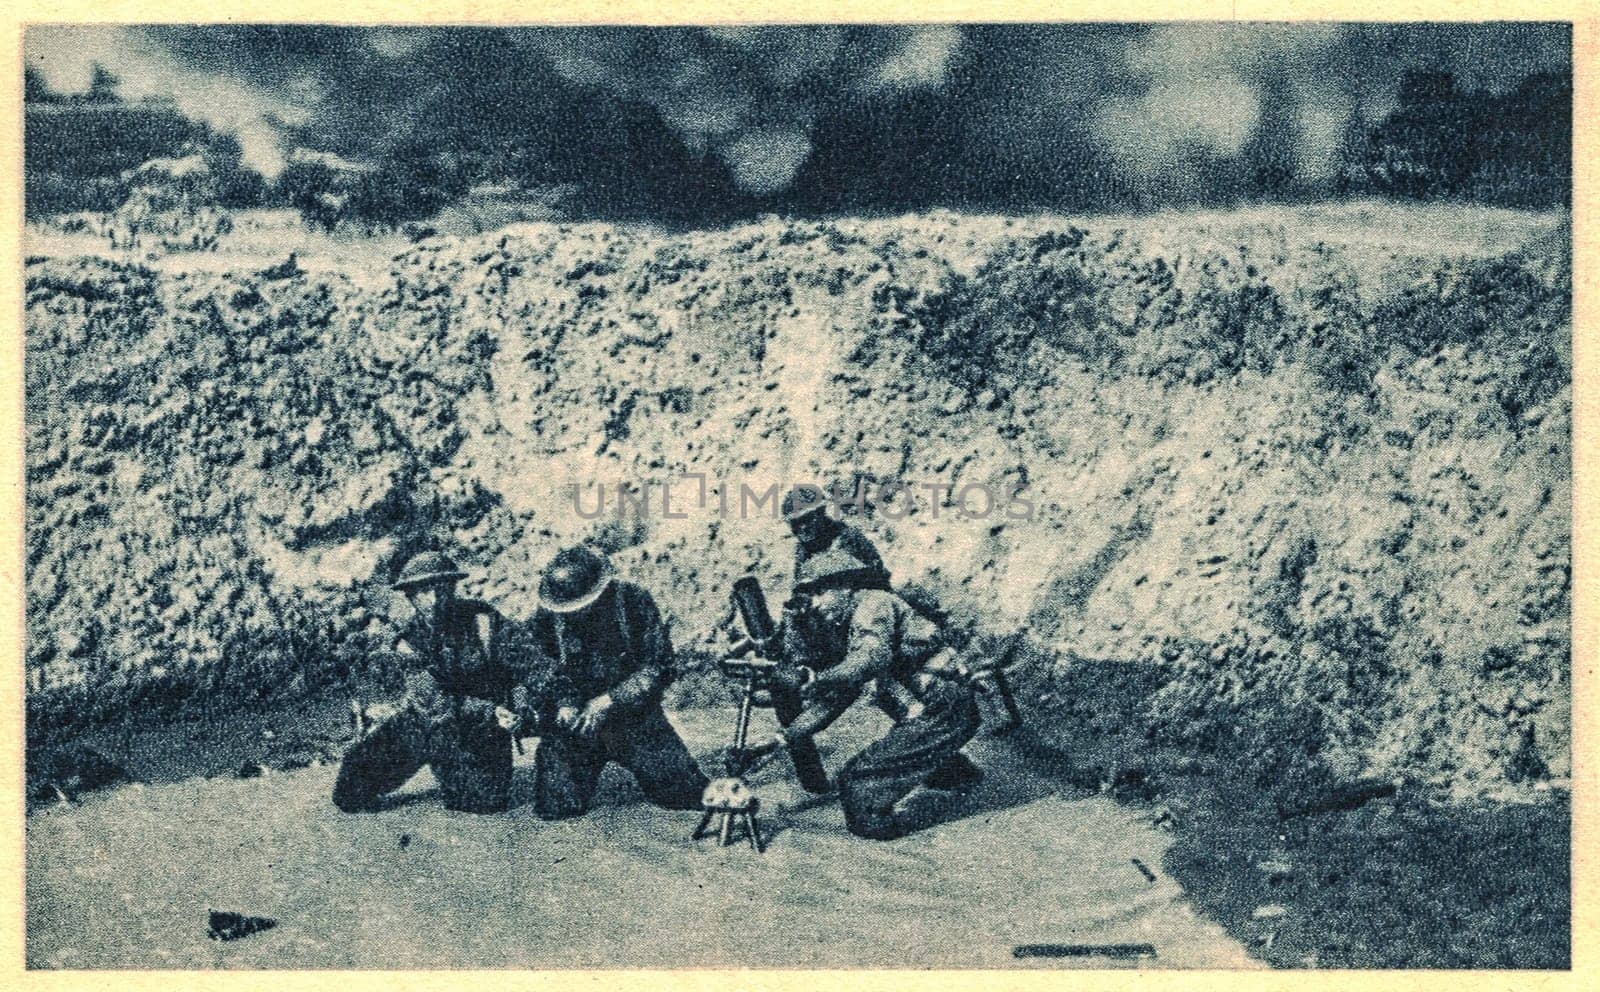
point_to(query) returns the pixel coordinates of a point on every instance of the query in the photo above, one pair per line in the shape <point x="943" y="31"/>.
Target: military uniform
<point x="786" y="702"/>
<point x="617" y="646"/>
<point x="447" y="720"/>
<point x="886" y="642"/>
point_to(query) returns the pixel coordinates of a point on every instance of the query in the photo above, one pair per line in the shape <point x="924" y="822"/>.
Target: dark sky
<point x="816" y="115"/>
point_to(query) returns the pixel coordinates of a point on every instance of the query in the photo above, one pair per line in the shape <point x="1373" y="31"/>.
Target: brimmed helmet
<point x="574" y="578"/>
<point x="835" y="569"/>
<point x="802" y="501"/>
<point x="431" y="568"/>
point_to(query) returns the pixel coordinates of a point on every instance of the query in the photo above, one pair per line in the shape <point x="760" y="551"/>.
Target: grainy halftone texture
<point x="1304" y="467"/>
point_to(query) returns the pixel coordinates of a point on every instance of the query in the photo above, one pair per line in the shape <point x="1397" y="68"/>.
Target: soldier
<point x="856" y="633"/>
<point x="815" y="532"/>
<point x="454" y="716"/>
<point x="805" y="508"/>
<point x="613" y="658"/>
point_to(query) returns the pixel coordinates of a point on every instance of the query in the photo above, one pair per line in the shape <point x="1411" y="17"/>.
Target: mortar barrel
<point x="752" y="606"/>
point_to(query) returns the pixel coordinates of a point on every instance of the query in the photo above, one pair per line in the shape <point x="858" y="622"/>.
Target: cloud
<point x="764" y="162"/>
<point x="922" y="60"/>
<point x="66" y="56"/>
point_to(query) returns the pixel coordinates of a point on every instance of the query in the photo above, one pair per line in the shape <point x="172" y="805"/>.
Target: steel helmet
<point x="802" y="501"/>
<point x="574" y="578"/>
<point x="431" y="568"/>
<point x="835" y="569"/>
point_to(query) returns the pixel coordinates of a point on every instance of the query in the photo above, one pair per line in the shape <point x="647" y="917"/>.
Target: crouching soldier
<point x="612" y="659"/>
<point x="453" y="717"/>
<point x="816" y="532"/>
<point x="858" y="633"/>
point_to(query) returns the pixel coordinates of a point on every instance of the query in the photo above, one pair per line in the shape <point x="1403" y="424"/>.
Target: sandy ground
<point x="125" y="879"/>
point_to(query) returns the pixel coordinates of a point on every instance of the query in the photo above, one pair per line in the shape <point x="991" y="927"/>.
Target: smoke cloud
<point x="749" y="95"/>
<point x="1203" y="86"/>
<point x="812" y="115"/>
<point x="66" y="57"/>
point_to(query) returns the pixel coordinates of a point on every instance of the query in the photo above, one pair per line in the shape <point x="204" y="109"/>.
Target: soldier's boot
<point x="958" y="774"/>
<point x="922" y="807"/>
<point x="380" y="762"/>
<point x="918" y="809"/>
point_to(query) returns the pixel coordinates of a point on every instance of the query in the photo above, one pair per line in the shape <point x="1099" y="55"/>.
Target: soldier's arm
<point x="540" y="668"/>
<point x="820" y="712"/>
<point x="424" y="695"/>
<point x="861" y="547"/>
<point x="871" y="649"/>
<point x="655" y="658"/>
<point x="528" y="669"/>
<point x="422" y="691"/>
<point x="493" y="686"/>
<point x="870" y="654"/>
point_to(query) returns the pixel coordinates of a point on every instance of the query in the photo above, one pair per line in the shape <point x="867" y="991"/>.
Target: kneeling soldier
<point x="613" y="658"/>
<point x="453" y="717"/>
<point x="816" y="533"/>
<point x="857" y="633"/>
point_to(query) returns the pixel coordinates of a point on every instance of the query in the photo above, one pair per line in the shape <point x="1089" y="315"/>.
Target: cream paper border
<point x="1586" y="506"/>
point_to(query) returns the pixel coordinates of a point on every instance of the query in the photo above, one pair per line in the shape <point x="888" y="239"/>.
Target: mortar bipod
<point x="727" y="800"/>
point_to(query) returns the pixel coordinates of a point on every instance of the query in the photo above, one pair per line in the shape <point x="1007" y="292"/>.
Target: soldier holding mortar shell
<point x="857" y="633"/>
<point x="612" y="659"/>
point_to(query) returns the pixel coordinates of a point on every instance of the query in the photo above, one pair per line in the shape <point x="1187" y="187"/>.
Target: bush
<point x="410" y="184"/>
<point x="1444" y="142"/>
<point x="320" y="194"/>
<point x="1301" y="716"/>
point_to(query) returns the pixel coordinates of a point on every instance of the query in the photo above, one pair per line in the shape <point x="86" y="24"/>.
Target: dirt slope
<point x="1302" y="472"/>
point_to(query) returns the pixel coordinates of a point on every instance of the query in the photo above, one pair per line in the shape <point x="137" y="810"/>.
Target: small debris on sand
<point x="1118" y="951"/>
<point x="232" y="926"/>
